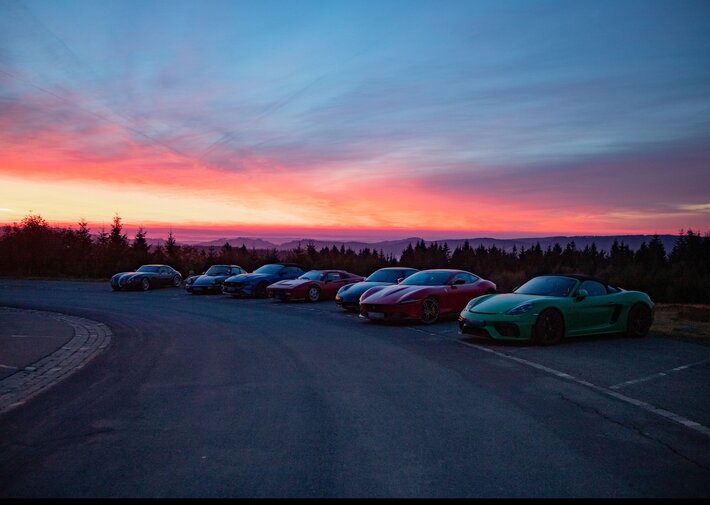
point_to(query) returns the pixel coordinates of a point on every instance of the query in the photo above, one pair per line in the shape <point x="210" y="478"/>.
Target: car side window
<point x="471" y="278"/>
<point x="467" y="278"/>
<point x="163" y="270"/>
<point x="333" y="276"/>
<point x="594" y="288"/>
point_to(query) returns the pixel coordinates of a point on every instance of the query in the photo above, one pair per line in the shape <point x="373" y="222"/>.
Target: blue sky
<point x="587" y="112"/>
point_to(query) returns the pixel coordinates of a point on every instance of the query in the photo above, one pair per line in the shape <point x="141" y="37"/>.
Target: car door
<point x="333" y="282"/>
<point x="592" y="313"/>
<point x="462" y="293"/>
<point x="164" y="276"/>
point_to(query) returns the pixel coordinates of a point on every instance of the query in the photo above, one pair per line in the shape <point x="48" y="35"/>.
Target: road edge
<point x="89" y="340"/>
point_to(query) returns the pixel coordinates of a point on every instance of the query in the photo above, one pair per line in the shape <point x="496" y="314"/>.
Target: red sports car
<point x="424" y="296"/>
<point x="313" y="285"/>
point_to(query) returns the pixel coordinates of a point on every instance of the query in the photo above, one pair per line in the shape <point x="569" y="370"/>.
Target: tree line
<point x="32" y="248"/>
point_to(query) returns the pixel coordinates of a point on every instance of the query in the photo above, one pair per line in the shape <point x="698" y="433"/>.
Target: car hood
<point x="209" y="280"/>
<point x="497" y="304"/>
<point x="398" y="293"/>
<point x="125" y="275"/>
<point x="249" y="278"/>
<point x="358" y="288"/>
<point x="291" y="283"/>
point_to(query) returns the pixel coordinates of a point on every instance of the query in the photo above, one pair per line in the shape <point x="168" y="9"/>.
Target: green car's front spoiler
<point x="497" y="326"/>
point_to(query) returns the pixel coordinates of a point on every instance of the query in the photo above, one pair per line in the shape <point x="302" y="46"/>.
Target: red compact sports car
<point x="312" y="286"/>
<point x="424" y="296"/>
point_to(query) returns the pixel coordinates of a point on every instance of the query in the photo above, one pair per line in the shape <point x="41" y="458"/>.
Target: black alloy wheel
<point x="639" y="321"/>
<point x="549" y="328"/>
<point x="430" y="311"/>
<point x="260" y="291"/>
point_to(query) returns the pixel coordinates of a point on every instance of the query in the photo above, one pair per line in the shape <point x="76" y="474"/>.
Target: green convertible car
<point x="548" y="308"/>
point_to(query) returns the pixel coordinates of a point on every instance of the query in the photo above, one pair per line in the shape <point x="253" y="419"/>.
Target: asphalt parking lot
<point x="213" y="396"/>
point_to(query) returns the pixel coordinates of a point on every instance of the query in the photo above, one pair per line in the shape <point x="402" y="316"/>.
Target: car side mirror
<point x="400" y="280"/>
<point x="582" y="294"/>
<point x="515" y="289"/>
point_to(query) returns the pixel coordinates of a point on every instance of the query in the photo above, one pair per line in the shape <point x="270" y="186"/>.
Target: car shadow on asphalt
<point x="489" y="342"/>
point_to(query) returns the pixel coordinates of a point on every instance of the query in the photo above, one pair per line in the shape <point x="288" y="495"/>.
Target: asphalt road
<point x="209" y="396"/>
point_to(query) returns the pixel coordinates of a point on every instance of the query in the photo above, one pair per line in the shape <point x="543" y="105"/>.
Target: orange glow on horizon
<point x="151" y="187"/>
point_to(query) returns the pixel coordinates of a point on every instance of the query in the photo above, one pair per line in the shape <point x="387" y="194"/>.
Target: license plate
<point x="376" y="315"/>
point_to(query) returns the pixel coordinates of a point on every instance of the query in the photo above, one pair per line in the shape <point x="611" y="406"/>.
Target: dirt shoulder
<point x="683" y="321"/>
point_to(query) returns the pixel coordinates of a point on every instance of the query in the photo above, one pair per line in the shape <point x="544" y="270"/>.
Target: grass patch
<point x="687" y="322"/>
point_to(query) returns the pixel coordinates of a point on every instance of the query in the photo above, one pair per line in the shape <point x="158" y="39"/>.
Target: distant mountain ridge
<point x="395" y="247"/>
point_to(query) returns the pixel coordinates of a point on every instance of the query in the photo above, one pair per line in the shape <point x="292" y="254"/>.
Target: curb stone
<point x="90" y="339"/>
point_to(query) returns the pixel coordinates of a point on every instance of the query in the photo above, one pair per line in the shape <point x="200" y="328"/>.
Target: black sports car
<point x="211" y="280"/>
<point x="147" y="277"/>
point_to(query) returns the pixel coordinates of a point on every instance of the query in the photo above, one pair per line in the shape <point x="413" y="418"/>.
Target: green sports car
<point x="548" y="308"/>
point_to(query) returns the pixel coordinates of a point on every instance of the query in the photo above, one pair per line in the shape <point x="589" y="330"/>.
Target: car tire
<point x="177" y="281"/>
<point x="260" y="290"/>
<point x="549" y="328"/>
<point x="313" y="294"/>
<point x="430" y="311"/>
<point x="639" y="321"/>
<point x="145" y="284"/>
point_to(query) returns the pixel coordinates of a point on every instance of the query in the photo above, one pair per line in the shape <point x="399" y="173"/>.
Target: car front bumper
<point x="495" y="326"/>
<point x="238" y="290"/>
<point x="125" y="284"/>
<point x="204" y="288"/>
<point x="399" y="312"/>
<point x="285" y="295"/>
<point x="346" y="303"/>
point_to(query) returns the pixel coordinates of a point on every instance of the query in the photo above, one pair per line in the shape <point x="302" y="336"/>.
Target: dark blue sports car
<point x="147" y="277"/>
<point x="254" y="285"/>
<point x="348" y="297"/>
<point x="211" y="280"/>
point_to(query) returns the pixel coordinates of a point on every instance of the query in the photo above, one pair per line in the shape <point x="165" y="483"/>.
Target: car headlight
<point x="412" y="300"/>
<point x="520" y="309"/>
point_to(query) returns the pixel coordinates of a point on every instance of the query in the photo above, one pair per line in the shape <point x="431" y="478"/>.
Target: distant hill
<point x="395" y="247"/>
<point x="250" y="243"/>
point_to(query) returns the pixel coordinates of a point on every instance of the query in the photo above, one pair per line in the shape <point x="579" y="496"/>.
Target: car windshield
<point x="217" y="270"/>
<point x="547" y="285"/>
<point x="268" y="269"/>
<point x="431" y="278"/>
<point x="148" y="268"/>
<point x="383" y="275"/>
<point x="313" y="275"/>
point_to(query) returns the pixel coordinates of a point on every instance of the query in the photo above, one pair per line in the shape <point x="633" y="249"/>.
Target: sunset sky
<point x="357" y="119"/>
